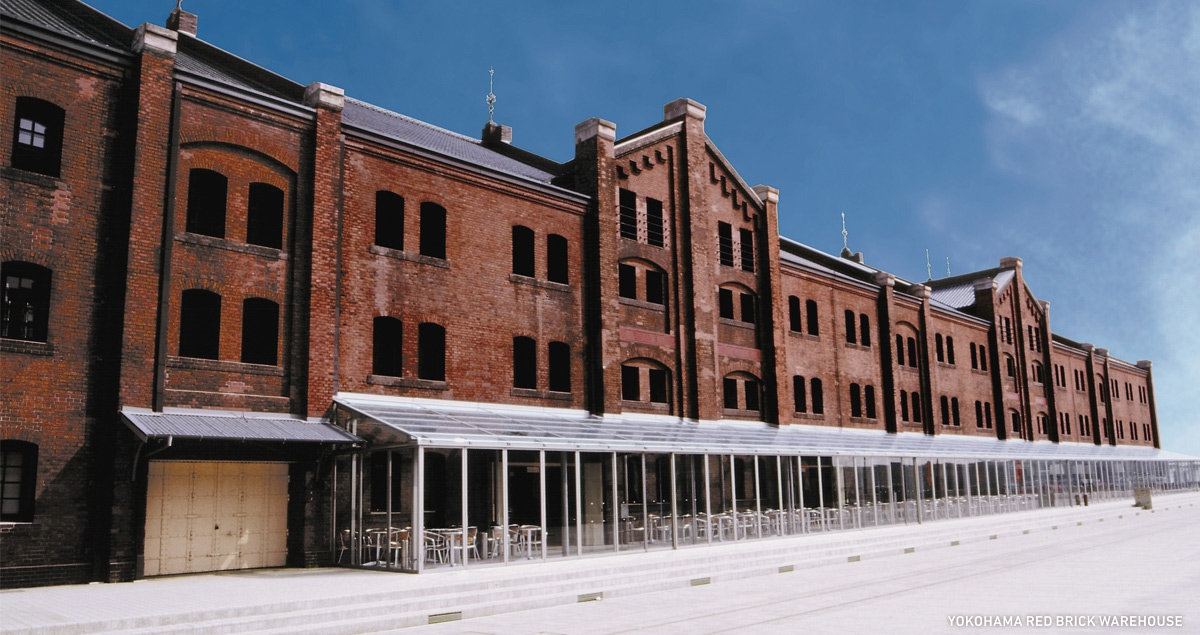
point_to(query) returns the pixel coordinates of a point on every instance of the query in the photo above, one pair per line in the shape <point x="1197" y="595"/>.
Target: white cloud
<point x="1103" y="127"/>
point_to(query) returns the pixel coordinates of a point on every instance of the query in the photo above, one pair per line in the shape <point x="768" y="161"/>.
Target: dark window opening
<point x="725" y="297"/>
<point x="207" y="191"/>
<point x="869" y="401"/>
<point x="974" y="357"/>
<point x="752" y="395"/>
<point x="855" y="401"/>
<point x="522" y="251"/>
<point x="38" y="136"/>
<point x="658" y="385"/>
<point x="941" y="349"/>
<point x="631" y="389"/>
<point x="1012" y="367"/>
<point x="814" y="327"/>
<point x="524" y="362"/>
<point x="627" y="281"/>
<point x="200" y="324"/>
<point x="978" y="414"/>
<point x="654" y="222"/>
<point x="560" y="367"/>
<point x="25" y="306"/>
<point x="260" y="331"/>
<point x="850" y="335"/>
<point x="656" y="282"/>
<point x="794" y="321"/>
<point x="431" y="351"/>
<point x="899" y="350"/>
<point x="987" y="415"/>
<point x="1016" y="422"/>
<point x="628" y="216"/>
<point x="386" y="344"/>
<point x="950" y="350"/>
<point x="954" y="411"/>
<point x="729" y="386"/>
<point x="725" y="243"/>
<point x="818" y="397"/>
<point x="18" y="475"/>
<point x="433" y="230"/>
<point x="747" y="238"/>
<point x="864" y="329"/>
<point x="389" y="220"/>
<point x="379" y="481"/>
<point x="747" y="307"/>
<point x="557" y="266"/>
<point x="904" y="405"/>
<point x="799" y="394"/>
<point x="264" y="216"/>
<point x="916" y="407"/>
<point x="912" y="352"/>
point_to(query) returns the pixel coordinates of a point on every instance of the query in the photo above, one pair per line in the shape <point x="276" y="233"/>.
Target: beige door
<point x="213" y="516"/>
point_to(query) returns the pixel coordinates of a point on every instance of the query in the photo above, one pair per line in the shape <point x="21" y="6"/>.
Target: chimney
<point x="182" y="21"/>
<point x="495" y="134"/>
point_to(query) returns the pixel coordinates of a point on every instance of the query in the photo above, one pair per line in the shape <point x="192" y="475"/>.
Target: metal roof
<point x="394" y="420"/>
<point x="963" y="294"/>
<point x="411" y="131"/>
<point x="71" y="19"/>
<point x="200" y="424"/>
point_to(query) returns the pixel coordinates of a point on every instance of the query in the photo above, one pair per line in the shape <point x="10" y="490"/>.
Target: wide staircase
<point x="327" y="601"/>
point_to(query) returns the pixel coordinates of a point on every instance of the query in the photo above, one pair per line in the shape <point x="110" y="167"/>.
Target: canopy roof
<point x="386" y="421"/>
<point x="226" y="426"/>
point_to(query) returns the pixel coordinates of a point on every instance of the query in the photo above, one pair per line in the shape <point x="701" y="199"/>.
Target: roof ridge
<point x="414" y="120"/>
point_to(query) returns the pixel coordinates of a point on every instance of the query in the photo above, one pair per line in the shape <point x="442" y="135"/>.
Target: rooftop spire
<point x="845" y="234"/>
<point x="491" y="96"/>
<point x="928" y="267"/>
<point x="947" y="266"/>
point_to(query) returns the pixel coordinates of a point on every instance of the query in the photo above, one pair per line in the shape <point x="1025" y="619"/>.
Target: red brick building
<point x="212" y="274"/>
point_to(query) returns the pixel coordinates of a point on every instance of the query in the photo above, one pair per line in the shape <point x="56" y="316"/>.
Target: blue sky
<point x="1066" y="133"/>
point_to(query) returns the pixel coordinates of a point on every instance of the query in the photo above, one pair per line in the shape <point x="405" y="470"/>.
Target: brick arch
<point x="741" y="373"/>
<point x="8" y="254"/>
<point x="281" y="155"/>
<point x="648" y="358"/>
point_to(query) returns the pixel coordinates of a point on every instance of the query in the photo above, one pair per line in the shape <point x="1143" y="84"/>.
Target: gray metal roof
<point x="963" y="294"/>
<point x="200" y="424"/>
<point x="205" y="60"/>
<point x="72" y="19"/>
<point x="417" y="133"/>
<point x="428" y="422"/>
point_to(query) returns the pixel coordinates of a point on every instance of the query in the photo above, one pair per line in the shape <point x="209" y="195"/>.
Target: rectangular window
<point x="725" y="297"/>
<point x="631" y="389"/>
<point x="433" y="230"/>
<point x="747" y="239"/>
<point x="654" y="222"/>
<point x="658" y="385"/>
<point x="725" y="243"/>
<point x="627" y="281"/>
<point x="557" y="261"/>
<point x="747" y="307"/>
<point x="751" y="395"/>
<point x="729" y="386"/>
<point x="869" y="401"/>
<point x="524" y="362"/>
<point x="560" y="367"/>
<point x="655" y="287"/>
<point x="628" y="215"/>
<point x="799" y="393"/>
<point x="794" y="321"/>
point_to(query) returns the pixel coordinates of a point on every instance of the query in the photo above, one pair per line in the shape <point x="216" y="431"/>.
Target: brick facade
<point x="710" y="304"/>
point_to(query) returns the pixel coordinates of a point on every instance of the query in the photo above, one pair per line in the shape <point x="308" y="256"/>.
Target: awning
<point x="435" y="423"/>
<point x="223" y="426"/>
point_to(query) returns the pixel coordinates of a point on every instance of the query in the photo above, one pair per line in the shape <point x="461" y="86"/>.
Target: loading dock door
<point x="215" y="516"/>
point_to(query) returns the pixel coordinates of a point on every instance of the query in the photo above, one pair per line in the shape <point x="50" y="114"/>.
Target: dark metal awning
<point x="385" y="421"/>
<point x="226" y="426"/>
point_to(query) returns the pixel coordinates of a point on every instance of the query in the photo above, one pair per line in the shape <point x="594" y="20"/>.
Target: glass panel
<point x="633" y="503"/>
<point x="689" y="498"/>
<point x="810" y="495"/>
<point x="597" y="485"/>
<point x="658" y="497"/>
<point x="442" y="483"/>
<point x="771" y="517"/>
<point x="720" y="494"/>
<point x="746" y="503"/>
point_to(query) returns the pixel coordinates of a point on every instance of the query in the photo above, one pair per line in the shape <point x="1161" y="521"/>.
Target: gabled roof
<point x="71" y="19"/>
<point x="392" y="125"/>
<point x="959" y="291"/>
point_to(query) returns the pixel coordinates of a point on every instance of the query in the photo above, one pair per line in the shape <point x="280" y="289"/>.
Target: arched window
<point x="431" y="351"/>
<point x="632" y="374"/>
<point x="850" y="335"/>
<point x="1011" y="365"/>
<point x="818" y="397"/>
<point x="264" y="216"/>
<point x="433" y="230"/>
<point x="912" y="352"/>
<point x="522" y="251"/>
<point x="904" y="405"/>
<point x="799" y="393"/>
<point x="25" y="306"/>
<point x="557" y="264"/>
<point x="974" y="357"/>
<point x="260" y="332"/>
<point x="810" y="307"/>
<point x="656" y="286"/>
<point x="18" y="476"/>
<point x="200" y="324"/>
<point x="899" y="350"/>
<point x="38" y="136"/>
<point x="945" y="401"/>
<point x="869" y="401"/>
<point x="978" y="414"/>
<point x="386" y="345"/>
<point x="560" y="367"/>
<point x="750" y="388"/>
<point x="794" y="321"/>
<point x="940" y="348"/>
<point x="987" y="415"/>
<point x="949" y="350"/>
<point x="916" y="407"/>
<point x="746" y="304"/>
<point x="864" y="329"/>
<point x="982" y="357"/>
<point x="1016" y="420"/>
<point x="389" y="220"/>
<point x="954" y="411"/>
<point x="855" y="401"/>
<point x="207" y="192"/>
<point x="524" y="362"/>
